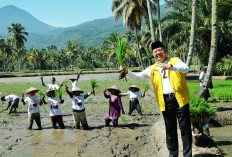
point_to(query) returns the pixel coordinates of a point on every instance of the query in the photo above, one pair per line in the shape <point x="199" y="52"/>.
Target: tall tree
<point x="133" y="11"/>
<point x="193" y="31"/>
<point x="150" y="20"/>
<point x="17" y="33"/>
<point x="5" y="50"/>
<point x="213" y="49"/>
<point x="159" y="21"/>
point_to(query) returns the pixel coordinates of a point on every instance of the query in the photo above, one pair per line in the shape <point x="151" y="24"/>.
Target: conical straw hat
<point x="115" y="88"/>
<point x="76" y="89"/>
<point x="32" y="89"/>
<point x="134" y="86"/>
<point x="73" y="78"/>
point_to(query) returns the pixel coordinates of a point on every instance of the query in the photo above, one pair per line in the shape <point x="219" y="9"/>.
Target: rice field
<point x="222" y="90"/>
<point x="93" y="103"/>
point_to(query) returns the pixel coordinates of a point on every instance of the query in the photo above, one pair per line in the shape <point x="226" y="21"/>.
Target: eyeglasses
<point x="158" y="50"/>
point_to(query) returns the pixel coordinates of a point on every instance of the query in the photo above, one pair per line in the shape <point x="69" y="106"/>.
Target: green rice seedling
<point x="93" y="83"/>
<point x="199" y="108"/>
<point x="226" y="98"/>
<point x="13" y="115"/>
<point x="121" y="55"/>
<point x="4" y="121"/>
<point x="1" y="111"/>
<point x="146" y="87"/>
<point x="41" y="94"/>
<point x="123" y="118"/>
<point x="65" y="81"/>
<point x="59" y="94"/>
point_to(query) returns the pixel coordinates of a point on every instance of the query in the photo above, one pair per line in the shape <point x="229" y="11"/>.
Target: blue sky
<point x="63" y="13"/>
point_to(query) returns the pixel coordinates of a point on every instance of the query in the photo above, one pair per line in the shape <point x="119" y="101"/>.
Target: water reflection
<point x="223" y="138"/>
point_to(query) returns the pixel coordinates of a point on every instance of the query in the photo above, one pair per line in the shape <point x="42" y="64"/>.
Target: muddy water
<point x="59" y="78"/>
<point x="223" y="138"/>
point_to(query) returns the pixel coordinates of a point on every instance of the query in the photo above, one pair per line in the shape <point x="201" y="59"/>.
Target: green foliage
<point x="199" y="108"/>
<point x="59" y="94"/>
<point x="146" y="87"/>
<point x="2" y="110"/>
<point x="4" y="121"/>
<point x="224" y="66"/>
<point x="40" y="94"/>
<point x="93" y="83"/>
<point x="222" y="89"/>
<point x="123" y="118"/>
<point x="121" y="51"/>
<point x="13" y="115"/>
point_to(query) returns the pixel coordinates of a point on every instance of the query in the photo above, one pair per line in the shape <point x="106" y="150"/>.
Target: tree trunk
<point x="140" y="56"/>
<point x="159" y="22"/>
<point x="150" y="21"/>
<point x="193" y="32"/>
<point x="213" y="49"/>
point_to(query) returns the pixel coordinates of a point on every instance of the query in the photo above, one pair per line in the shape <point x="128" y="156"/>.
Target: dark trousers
<point x="31" y="118"/>
<point x="114" y="121"/>
<point x="14" y="105"/>
<point x="171" y="114"/>
<point x="59" y="120"/>
<point x="134" y="104"/>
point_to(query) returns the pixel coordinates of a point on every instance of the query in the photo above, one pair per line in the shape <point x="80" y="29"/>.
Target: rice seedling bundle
<point x="4" y="121"/>
<point x="123" y="118"/>
<point x="93" y="83"/>
<point x="146" y="87"/>
<point x="59" y="94"/>
<point x="121" y="55"/>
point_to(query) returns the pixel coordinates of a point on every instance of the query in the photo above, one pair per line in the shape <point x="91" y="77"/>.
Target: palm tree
<point x="159" y="21"/>
<point x="150" y="20"/>
<point x="133" y="10"/>
<point x="193" y="31"/>
<point x="108" y="46"/>
<point x="33" y="57"/>
<point x="71" y="51"/>
<point x="5" y="50"/>
<point x="17" y="32"/>
<point x="213" y="49"/>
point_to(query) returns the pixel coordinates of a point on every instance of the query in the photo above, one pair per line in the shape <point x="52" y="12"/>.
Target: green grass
<point x="13" y="115"/>
<point x="222" y="90"/>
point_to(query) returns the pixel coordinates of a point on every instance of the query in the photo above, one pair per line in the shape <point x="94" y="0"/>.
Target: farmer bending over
<point x="13" y="102"/>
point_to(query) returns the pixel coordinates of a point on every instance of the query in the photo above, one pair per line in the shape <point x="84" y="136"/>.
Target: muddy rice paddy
<point x="142" y="136"/>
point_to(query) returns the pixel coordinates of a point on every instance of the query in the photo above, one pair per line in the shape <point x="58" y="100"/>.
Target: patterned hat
<point x="114" y="87"/>
<point x="134" y="86"/>
<point x="76" y="89"/>
<point x="32" y="89"/>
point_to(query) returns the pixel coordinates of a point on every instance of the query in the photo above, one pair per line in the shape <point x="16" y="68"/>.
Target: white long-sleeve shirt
<point x="202" y="77"/>
<point x="167" y="88"/>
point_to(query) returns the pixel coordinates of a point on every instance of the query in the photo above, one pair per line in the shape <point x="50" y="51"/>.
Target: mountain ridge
<point x="42" y="35"/>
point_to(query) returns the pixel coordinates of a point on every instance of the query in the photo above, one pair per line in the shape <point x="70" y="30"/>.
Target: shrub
<point x="199" y="108"/>
<point x="224" y="67"/>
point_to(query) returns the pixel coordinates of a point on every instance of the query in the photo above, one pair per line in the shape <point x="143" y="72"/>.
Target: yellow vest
<point x="177" y="81"/>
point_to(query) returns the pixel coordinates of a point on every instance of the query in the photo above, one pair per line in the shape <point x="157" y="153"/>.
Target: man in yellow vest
<point x="172" y="96"/>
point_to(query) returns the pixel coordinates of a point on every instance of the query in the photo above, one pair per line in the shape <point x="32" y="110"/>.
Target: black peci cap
<point x="156" y="44"/>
